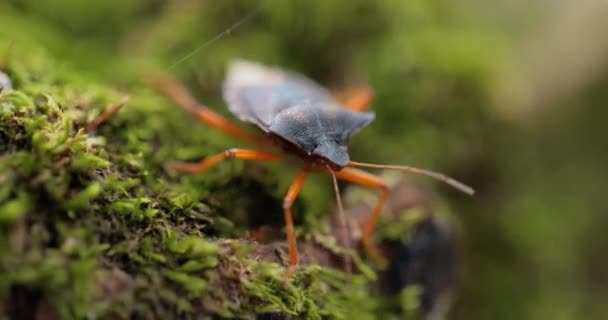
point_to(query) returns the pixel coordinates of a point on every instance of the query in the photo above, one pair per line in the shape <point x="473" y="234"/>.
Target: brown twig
<point x="112" y="109"/>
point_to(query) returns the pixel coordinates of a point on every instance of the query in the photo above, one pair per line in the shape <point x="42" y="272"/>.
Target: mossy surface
<point x="508" y="97"/>
<point x="94" y="226"/>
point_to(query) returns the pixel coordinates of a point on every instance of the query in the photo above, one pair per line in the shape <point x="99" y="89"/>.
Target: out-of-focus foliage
<point x="510" y="97"/>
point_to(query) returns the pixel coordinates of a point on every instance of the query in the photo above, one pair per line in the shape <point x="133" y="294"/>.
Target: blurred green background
<point x="510" y="97"/>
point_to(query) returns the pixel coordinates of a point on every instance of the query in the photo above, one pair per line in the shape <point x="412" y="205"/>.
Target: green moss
<point x="95" y="225"/>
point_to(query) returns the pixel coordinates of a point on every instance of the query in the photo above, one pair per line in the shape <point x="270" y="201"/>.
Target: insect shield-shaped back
<point x="320" y="131"/>
<point x="293" y="108"/>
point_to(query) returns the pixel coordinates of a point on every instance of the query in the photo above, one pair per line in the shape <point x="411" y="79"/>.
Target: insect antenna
<point x="344" y="229"/>
<point x="435" y="175"/>
<point x="221" y="35"/>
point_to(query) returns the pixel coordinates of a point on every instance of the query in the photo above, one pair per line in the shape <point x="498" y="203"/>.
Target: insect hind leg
<point x="356" y="99"/>
<point x="174" y="90"/>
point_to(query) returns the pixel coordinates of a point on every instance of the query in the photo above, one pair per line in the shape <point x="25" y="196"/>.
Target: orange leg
<point x="291" y="196"/>
<point x="369" y="180"/>
<point x="174" y="90"/>
<point x="244" y="154"/>
<point x="357" y="99"/>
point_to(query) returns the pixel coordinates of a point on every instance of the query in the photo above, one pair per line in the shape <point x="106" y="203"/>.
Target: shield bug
<point x="300" y="120"/>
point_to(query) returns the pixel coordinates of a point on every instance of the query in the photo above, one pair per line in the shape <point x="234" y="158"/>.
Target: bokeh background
<point x="509" y="96"/>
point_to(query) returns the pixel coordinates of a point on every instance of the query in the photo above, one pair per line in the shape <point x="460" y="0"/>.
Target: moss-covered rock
<point x="94" y="227"/>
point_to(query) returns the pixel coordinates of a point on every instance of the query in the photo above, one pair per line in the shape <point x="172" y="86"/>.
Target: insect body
<point x="294" y="109"/>
<point x="302" y="119"/>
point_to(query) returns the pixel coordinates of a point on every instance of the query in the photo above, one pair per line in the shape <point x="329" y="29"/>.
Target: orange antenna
<point x="435" y="175"/>
<point x="344" y="230"/>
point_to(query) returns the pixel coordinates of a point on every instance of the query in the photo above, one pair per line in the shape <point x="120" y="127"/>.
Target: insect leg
<point x="290" y="197"/>
<point x="244" y="154"/>
<point x="172" y="89"/>
<point x="356" y="99"/>
<point x="369" y="180"/>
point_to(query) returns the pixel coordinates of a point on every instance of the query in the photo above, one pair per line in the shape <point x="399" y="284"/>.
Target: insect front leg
<point x="245" y="154"/>
<point x="288" y="201"/>
<point x="369" y="180"/>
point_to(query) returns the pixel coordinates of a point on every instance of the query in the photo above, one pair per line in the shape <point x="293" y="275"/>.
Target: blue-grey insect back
<point x="294" y="108"/>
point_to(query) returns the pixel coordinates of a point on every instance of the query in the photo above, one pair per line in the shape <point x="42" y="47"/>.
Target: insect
<point x="300" y="120"/>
